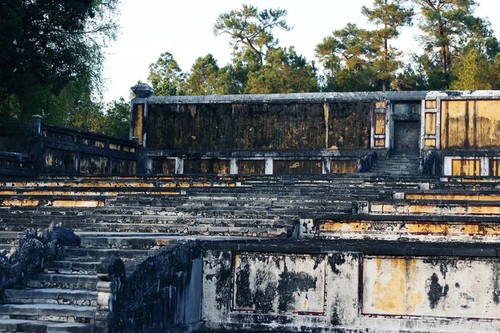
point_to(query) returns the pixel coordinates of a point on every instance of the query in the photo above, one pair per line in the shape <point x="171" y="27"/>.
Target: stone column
<point x="138" y="119"/>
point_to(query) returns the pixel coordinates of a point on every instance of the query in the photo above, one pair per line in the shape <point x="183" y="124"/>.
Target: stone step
<point x="71" y="267"/>
<point x="49" y="312"/>
<point x="33" y="326"/>
<point x="257" y="226"/>
<point x="5" y="247"/>
<point x="125" y="241"/>
<point x="51" y="296"/>
<point x="66" y="281"/>
<point x="93" y="254"/>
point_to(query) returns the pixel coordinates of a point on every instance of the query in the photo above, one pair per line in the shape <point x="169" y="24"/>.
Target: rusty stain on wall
<point x="445" y="287"/>
<point x="453" y="196"/>
<point x="472" y="208"/>
<point x="410" y="228"/>
<point x="466" y="167"/>
<point x="470" y="123"/>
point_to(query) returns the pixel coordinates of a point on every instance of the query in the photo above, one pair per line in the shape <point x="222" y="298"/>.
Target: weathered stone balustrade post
<point x="111" y="275"/>
<point x="138" y="119"/>
<point x="37" y="143"/>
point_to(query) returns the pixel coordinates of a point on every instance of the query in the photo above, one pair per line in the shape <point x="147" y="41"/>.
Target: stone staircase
<point x="132" y="217"/>
<point x="397" y="165"/>
<point x="64" y="297"/>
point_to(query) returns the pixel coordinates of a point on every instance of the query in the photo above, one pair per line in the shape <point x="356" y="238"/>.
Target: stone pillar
<point x="37" y="125"/>
<point x="111" y="275"/>
<point x="37" y="149"/>
<point x="139" y="111"/>
<point x="138" y="119"/>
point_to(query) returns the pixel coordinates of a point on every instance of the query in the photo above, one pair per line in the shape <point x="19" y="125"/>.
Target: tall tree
<point x="117" y="119"/>
<point x="206" y="78"/>
<point x="251" y="28"/>
<point x="446" y="25"/>
<point x="389" y="16"/>
<point x="166" y="77"/>
<point x="284" y="72"/>
<point x="48" y="44"/>
<point x="347" y="56"/>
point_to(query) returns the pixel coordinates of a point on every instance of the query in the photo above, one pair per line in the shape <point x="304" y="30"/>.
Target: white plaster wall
<point x="396" y="293"/>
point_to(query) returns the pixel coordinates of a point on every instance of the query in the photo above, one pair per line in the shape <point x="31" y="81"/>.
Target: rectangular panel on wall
<point x="466" y="167"/>
<point x="485" y="124"/>
<point x="210" y="166"/>
<point x="494" y="167"/>
<point x="430" y="104"/>
<point x="379" y="142"/>
<point x="164" y="166"/>
<point x="470" y="123"/>
<point x="430" y="143"/>
<point x="448" y="287"/>
<point x="59" y="160"/>
<point x="379" y="123"/>
<point x="279" y="284"/>
<point x="453" y="130"/>
<point x="297" y="167"/>
<point x="139" y="122"/>
<point x="123" y="167"/>
<point x="343" y="166"/>
<point x="92" y="164"/>
<point x="349" y="124"/>
<point x="251" y="167"/>
<point x="430" y="123"/>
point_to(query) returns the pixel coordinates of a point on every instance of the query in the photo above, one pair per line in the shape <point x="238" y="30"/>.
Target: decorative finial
<point x="142" y="90"/>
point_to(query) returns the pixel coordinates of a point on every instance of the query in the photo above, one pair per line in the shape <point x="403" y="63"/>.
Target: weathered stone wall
<point x="287" y="287"/>
<point x="258" y="126"/>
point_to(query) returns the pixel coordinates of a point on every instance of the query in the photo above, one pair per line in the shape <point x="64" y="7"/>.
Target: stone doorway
<point x="406" y="137"/>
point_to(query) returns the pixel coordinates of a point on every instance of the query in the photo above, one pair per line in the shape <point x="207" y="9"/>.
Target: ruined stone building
<point x="317" y="212"/>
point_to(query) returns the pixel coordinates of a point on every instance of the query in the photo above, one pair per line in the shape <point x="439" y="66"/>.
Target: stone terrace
<point x="132" y="217"/>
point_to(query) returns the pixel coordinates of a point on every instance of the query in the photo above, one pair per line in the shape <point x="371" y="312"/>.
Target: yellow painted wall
<point x="470" y="123"/>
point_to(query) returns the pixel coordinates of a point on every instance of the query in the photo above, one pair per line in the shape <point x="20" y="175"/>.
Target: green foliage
<point x="166" y="77"/>
<point x="46" y="47"/>
<point x="283" y="72"/>
<point x="207" y="78"/>
<point x="472" y="70"/>
<point x="252" y="29"/>
<point x="446" y="25"/>
<point x="347" y="56"/>
<point x="117" y="119"/>
<point x="389" y="16"/>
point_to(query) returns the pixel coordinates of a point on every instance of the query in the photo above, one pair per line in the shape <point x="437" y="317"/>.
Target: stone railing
<point x="162" y="294"/>
<point x="61" y="150"/>
<point x="16" y="164"/>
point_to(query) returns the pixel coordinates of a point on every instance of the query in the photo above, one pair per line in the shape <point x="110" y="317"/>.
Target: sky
<point x="185" y="29"/>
